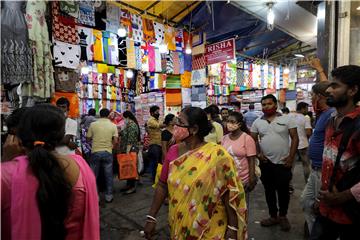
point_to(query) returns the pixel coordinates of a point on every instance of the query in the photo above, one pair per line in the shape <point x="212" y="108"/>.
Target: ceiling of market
<point x="295" y="24"/>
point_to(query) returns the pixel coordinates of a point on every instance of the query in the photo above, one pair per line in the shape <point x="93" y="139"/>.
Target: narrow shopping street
<point x="124" y="218"/>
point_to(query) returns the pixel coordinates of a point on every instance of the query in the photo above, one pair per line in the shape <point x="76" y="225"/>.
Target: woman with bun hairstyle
<point x="45" y="195"/>
<point x="206" y="199"/>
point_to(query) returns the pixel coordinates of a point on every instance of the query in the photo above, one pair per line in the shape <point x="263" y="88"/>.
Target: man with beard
<point x="340" y="182"/>
<point x="276" y="159"/>
<point x="154" y="129"/>
<point x="315" y="152"/>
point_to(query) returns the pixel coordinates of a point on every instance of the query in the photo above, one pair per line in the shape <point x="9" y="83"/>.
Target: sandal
<point x="269" y="222"/>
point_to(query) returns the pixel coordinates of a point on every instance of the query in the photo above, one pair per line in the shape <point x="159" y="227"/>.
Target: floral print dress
<point x="196" y="183"/>
<point x="44" y="84"/>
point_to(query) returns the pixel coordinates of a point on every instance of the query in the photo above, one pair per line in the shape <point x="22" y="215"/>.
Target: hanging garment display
<point x="70" y="7"/>
<point x="186" y="80"/>
<point x="198" y="77"/>
<point x="65" y="80"/>
<point x="137" y="28"/>
<point x="179" y="40"/>
<point x="106" y="36"/>
<point x="16" y="56"/>
<point x="173" y="82"/>
<point x="198" y="61"/>
<point x="90" y="91"/>
<point x="148" y="29"/>
<point x="231" y="72"/>
<point x="158" y="67"/>
<point x="223" y="73"/>
<point x="198" y="93"/>
<point x="126" y="21"/>
<point x="139" y="82"/>
<point x="113" y="49"/>
<point x="122" y="51"/>
<point x="138" y="57"/>
<point x="187" y="62"/>
<point x="176" y="62"/>
<point x="98" y="46"/>
<point x="86" y="13"/>
<point x="113" y="15"/>
<point x="63" y="27"/>
<point x="169" y="63"/>
<point x="131" y="60"/>
<point x="43" y="85"/>
<point x="164" y="62"/>
<point x="144" y="57"/>
<point x="159" y="33"/>
<point x="182" y="63"/>
<point x="66" y="55"/>
<point x="86" y="42"/>
<point x="173" y="97"/>
<point x="186" y="97"/>
<point x="100" y="15"/>
<point x="151" y="56"/>
<point x="170" y="34"/>
<point x="74" y="102"/>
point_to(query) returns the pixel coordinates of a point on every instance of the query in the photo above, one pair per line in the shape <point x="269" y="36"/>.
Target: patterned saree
<point x="197" y="181"/>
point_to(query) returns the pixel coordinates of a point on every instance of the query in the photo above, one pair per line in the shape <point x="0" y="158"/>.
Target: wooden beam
<point x="150" y="7"/>
<point x="184" y="9"/>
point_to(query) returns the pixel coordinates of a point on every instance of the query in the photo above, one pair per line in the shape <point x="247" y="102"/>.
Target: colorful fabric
<point x="198" y="77"/>
<point x="182" y="63"/>
<point x="66" y="55"/>
<point x="176" y="62"/>
<point x="131" y="61"/>
<point x="144" y="57"/>
<point x="148" y="28"/>
<point x="63" y="26"/>
<point x="74" y="102"/>
<point x="198" y="93"/>
<point x="173" y="82"/>
<point x="187" y="62"/>
<point x="113" y="15"/>
<point x="126" y="21"/>
<point x="113" y="50"/>
<point x="137" y="27"/>
<point x="106" y="36"/>
<point x="70" y="7"/>
<point x="173" y="97"/>
<point x="197" y="181"/>
<point x="170" y="34"/>
<point x="86" y="42"/>
<point x="151" y="57"/>
<point x="179" y="40"/>
<point x="122" y="52"/>
<point x="159" y="33"/>
<point x="65" y="80"/>
<point x="86" y="13"/>
<point x="98" y="46"/>
<point x="198" y="61"/>
<point x="157" y="60"/>
<point x="138" y="58"/>
<point x="186" y="79"/>
<point x="169" y="63"/>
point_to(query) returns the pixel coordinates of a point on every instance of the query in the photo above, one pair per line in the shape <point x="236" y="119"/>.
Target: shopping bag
<point x="127" y="165"/>
<point x="140" y="162"/>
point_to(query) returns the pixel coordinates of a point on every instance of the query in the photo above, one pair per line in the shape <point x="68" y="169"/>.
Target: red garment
<point x="347" y="161"/>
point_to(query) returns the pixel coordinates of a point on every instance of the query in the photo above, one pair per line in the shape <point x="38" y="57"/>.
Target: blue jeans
<point x="104" y="160"/>
<point x="154" y="155"/>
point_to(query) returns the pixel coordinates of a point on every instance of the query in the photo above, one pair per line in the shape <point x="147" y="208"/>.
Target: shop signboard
<point x="220" y="52"/>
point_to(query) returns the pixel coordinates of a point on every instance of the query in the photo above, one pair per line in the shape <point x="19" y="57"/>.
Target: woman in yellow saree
<point x="206" y="198"/>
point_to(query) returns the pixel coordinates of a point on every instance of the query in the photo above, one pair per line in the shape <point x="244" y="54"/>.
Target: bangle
<point x="150" y="221"/>
<point x="151" y="217"/>
<point x="231" y="239"/>
<point x="232" y="228"/>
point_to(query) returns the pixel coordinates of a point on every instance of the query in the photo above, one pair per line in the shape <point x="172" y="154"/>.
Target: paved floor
<point x="124" y="218"/>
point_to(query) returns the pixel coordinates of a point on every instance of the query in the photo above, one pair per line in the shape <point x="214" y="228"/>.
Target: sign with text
<point x="220" y="52"/>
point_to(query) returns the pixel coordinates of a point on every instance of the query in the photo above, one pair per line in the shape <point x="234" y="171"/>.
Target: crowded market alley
<point x="171" y="119"/>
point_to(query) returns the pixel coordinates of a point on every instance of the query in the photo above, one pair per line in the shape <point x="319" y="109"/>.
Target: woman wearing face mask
<point x="206" y="200"/>
<point x="242" y="148"/>
<point x="130" y="137"/>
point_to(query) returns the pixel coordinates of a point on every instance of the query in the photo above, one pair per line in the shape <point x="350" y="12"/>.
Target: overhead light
<point x="129" y="73"/>
<point x="188" y="48"/>
<point x="286" y="70"/>
<point x="270" y="16"/>
<point x="85" y="70"/>
<point x="358" y="8"/>
<point x="321" y="14"/>
<point x="299" y="55"/>
<point x="122" y="31"/>
<point x="163" y="48"/>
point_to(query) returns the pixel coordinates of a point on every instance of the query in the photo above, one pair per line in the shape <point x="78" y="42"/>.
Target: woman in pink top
<point x="242" y="148"/>
<point x="45" y="195"/>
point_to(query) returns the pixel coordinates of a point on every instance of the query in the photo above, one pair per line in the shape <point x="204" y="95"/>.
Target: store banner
<point x="220" y="52"/>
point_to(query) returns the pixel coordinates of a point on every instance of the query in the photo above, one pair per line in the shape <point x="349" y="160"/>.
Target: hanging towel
<point x="98" y="46"/>
<point x="148" y="28"/>
<point x="198" y="77"/>
<point x="173" y="82"/>
<point x="86" y="43"/>
<point x="198" y="61"/>
<point x="144" y="57"/>
<point x="176" y="62"/>
<point x="106" y="36"/>
<point x="158" y="67"/>
<point x="63" y="27"/>
<point x="122" y="51"/>
<point x="86" y="13"/>
<point x="186" y="80"/>
<point x="170" y="34"/>
<point x="137" y="27"/>
<point x="113" y="49"/>
<point x="151" y="57"/>
<point x="159" y="33"/>
<point x="126" y="21"/>
<point x="131" y="61"/>
<point x="66" y="55"/>
<point x="138" y="58"/>
<point x="169" y="63"/>
<point x="187" y="62"/>
<point x="173" y="97"/>
<point x="113" y="15"/>
<point x="179" y="40"/>
<point x="182" y="63"/>
<point x="65" y="80"/>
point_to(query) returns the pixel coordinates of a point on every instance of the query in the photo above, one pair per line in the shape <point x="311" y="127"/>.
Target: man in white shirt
<point x="304" y="130"/>
<point x="272" y="134"/>
<point x="68" y="144"/>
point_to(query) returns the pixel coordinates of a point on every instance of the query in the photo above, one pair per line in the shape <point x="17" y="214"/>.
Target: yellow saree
<point x="197" y="181"/>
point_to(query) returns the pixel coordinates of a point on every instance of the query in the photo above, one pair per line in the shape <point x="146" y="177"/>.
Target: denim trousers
<point x="104" y="160"/>
<point x="154" y="155"/>
<point x="276" y="179"/>
<point x="308" y="196"/>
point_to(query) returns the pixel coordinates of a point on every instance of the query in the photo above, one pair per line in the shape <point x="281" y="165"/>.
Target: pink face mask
<point x="180" y="133"/>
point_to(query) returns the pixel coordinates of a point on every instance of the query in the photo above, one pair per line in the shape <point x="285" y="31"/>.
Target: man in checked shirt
<point x="344" y="95"/>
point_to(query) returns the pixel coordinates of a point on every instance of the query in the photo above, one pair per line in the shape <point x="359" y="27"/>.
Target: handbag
<point x="351" y="177"/>
<point x="127" y="165"/>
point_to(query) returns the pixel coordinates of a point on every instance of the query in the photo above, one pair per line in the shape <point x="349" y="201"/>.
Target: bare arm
<point x="293" y="148"/>
<point x="260" y="155"/>
<point x="252" y="177"/>
<point x="308" y="132"/>
<point x="315" y="63"/>
<point x="164" y="147"/>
